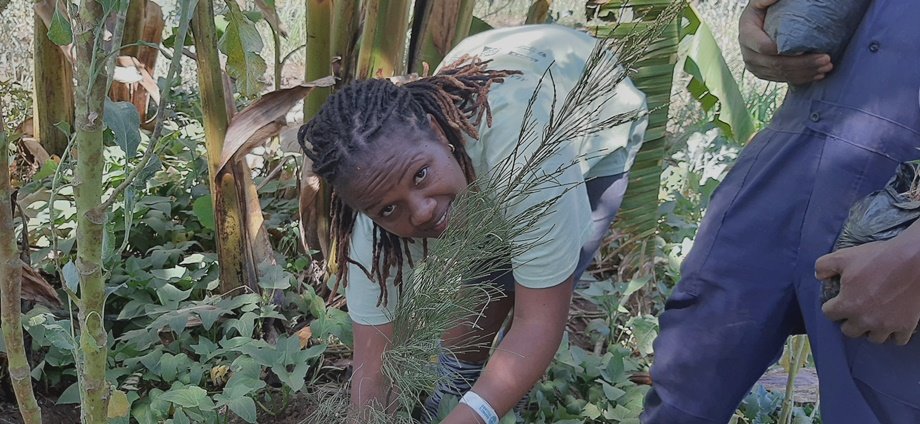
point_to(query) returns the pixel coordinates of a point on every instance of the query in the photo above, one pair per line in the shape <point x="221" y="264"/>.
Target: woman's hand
<point x="879" y="287"/>
<point x="760" y="53"/>
<point x="525" y="353"/>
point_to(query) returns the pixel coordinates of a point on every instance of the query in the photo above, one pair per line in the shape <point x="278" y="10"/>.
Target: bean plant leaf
<point x="612" y="393"/>
<point x="632" y="287"/>
<point x="171" y="295"/>
<point x="71" y="276"/>
<point x="645" y="329"/>
<point x="273" y="277"/>
<point x="180" y="418"/>
<point x="209" y="316"/>
<point x="242" y="44"/>
<point x="334" y="322"/>
<point x="204" y="211"/>
<point x="189" y="397"/>
<point x="235" y="397"/>
<point x="119" y="406"/>
<point x="70" y="396"/>
<point x="244" y="407"/>
<point x="245" y="324"/>
<point x="60" y="32"/>
<point x="122" y="118"/>
<point x="169" y="273"/>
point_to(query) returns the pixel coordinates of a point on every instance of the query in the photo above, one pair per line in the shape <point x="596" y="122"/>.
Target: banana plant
<point x="653" y="74"/>
<point x="441" y="26"/>
<point x="53" y="69"/>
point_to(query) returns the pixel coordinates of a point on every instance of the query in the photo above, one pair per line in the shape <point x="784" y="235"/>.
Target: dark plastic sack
<point x="813" y="26"/>
<point x="881" y="215"/>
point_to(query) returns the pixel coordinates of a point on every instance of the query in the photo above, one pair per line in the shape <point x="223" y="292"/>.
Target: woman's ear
<point x="438" y="131"/>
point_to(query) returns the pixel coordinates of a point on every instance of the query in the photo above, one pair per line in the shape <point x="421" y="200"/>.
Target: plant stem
<point x="799" y="346"/>
<point x="279" y="64"/>
<point x="10" y="294"/>
<point x="87" y="184"/>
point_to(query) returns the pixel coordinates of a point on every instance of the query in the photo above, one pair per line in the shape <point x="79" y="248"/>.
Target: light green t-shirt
<point x="561" y="230"/>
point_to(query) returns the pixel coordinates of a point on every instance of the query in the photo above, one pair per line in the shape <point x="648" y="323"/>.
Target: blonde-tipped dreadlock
<point x="347" y="124"/>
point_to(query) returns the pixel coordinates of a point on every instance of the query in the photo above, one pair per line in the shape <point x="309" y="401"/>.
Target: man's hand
<point x="760" y="55"/>
<point x="879" y="288"/>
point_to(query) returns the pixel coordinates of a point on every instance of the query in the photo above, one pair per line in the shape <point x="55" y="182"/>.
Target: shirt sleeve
<point x="554" y="242"/>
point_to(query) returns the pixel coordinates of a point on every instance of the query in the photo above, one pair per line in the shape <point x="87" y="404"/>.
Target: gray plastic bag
<point x="881" y="215"/>
<point x="814" y="26"/>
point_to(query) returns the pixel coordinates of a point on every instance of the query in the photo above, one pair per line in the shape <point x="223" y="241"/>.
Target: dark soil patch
<point x="298" y="410"/>
<point x="51" y="413"/>
<point x="581" y="312"/>
<point x="302" y="408"/>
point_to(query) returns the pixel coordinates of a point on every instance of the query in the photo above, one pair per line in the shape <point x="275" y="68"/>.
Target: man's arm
<point x="526" y="351"/>
<point x="760" y="54"/>
<point x="879" y="287"/>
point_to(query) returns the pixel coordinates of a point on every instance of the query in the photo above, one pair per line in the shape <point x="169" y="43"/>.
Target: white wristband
<point x="485" y="411"/>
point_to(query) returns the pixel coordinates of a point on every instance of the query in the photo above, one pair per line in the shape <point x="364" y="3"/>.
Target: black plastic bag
<point x="881" y="215"/>
<point x="814" y="26"/>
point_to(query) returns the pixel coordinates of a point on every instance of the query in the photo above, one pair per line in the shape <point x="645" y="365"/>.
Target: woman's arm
<point x="368" y="384"/>
<point x="526" y="351"/>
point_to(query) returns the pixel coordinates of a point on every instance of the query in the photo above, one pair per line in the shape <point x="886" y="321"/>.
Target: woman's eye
<point x="387" y="211"/>
<point x="421" y="174"/>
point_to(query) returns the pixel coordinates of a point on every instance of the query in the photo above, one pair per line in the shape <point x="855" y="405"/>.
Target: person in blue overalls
<point x="750" y="279"/>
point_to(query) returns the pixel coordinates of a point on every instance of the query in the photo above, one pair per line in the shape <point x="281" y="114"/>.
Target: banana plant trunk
<point x="10" y="295"/>
<point x="134" y="27"/>
<point x="382" y="51"/>
<point x="228" y="217"/>
<point x="53" y="90"/>
<point x="443" y="25"/>
<point x="344" y="38"/>
<point x="91" y="85"/>
<point x="538" y="12"/>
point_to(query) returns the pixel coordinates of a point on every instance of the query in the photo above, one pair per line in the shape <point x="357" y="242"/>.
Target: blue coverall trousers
<point x="748" y="282"/>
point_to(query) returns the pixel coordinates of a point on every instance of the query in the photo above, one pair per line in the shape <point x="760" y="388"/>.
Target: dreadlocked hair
<point x="350" y="120"/>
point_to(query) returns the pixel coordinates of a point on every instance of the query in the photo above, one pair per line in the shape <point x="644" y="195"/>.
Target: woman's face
<point x="407" y="186"/>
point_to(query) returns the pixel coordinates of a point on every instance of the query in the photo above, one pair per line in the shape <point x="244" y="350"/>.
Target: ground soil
<point x="298" y="411"/>
<point x="51" y="413"/>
